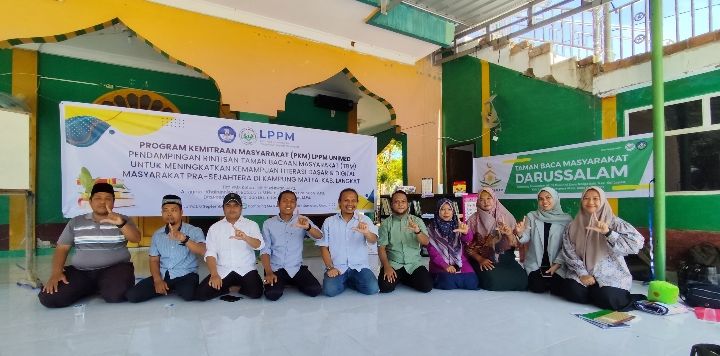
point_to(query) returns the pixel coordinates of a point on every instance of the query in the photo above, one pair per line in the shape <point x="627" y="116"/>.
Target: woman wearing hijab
<point x="491" y="250"/>
<point x="543" y="230"/>
<point x="594" y="246"/>
<point x="449" y="266"/>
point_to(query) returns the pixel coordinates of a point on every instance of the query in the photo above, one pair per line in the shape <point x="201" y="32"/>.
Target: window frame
<point x="706" y="126"/>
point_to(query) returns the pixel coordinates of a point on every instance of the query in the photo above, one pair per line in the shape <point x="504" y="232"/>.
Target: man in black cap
<point x="102" y="261"/>
<point x="173" y="264"/>
<point x="230" y="256"/>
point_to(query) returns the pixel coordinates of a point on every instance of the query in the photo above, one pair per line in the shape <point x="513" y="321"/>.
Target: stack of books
<point x="607" y="319"/>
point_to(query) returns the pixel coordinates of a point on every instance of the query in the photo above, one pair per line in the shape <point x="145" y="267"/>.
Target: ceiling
<point x="343" y="23"/>
<point x="467" y="13"/>
<point x="339" y="23"/>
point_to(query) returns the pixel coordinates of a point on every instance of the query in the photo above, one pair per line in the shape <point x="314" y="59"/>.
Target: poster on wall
<point x="622" y="167"/>
<point x="469" y="206"/>
<point x="147" y="154"/>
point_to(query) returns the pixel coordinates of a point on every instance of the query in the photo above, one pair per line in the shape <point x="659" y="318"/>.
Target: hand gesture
<point x="361" y="228"/>
<point x="451" y="269"/>
<point x="161" y="287"/>
<point x="552" y="269"/>
<point x="270" y="278"/>
<point x="587" y="280"/>
<point x="239" y="235"/>
<point x="389" y="274"/>
<point x="333" y="272"/>
<point x="175" y="235"/>
<point x="599" y="226"/>
<point x="303" y="223"/>
<point x="111" y="218"/>
<point x="52" y="284"/>
<point x="520" y="227"/>
<point x="413" y="226"/>
<point x="486" y="265"/>
<point x="462" y="228"/>
<point x="215" y="282"/>
<point x="504" y="228"/>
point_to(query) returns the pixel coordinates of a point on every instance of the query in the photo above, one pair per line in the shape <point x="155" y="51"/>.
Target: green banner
<point x="622" y="167"/>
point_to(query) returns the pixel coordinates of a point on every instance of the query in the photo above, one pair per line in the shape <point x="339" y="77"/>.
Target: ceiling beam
<point x="387" y="5"/>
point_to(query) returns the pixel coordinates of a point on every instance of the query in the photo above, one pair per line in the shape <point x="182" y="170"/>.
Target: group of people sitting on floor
<point x="580" y="259"/>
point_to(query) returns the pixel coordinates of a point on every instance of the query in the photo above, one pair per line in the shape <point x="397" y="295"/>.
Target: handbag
<point x="702" y="295"/>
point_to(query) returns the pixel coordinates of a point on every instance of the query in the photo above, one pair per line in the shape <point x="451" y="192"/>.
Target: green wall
<point x="534" y="114"/>
<point x="5" y="87"/>
<point x="537" y="114"/>
<point x="61" y="80"/>
<point x="684" y="212"/>
<point x="461" y="106"/>
<point x="301" y="112"/>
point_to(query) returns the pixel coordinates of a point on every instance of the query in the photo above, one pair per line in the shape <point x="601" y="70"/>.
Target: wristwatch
<point x="187" y="238"/>
<point x="120" y="226"/>
<point x="418" y="232"/>
<point x="309" y="228"/>
<point x="329" y="268"/>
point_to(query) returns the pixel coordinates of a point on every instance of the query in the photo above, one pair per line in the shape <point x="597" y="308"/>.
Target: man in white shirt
<point x="231" y="245"/>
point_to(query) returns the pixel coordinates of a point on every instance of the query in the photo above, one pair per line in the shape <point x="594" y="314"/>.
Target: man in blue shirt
<point x="282" y="255"/>
<point x="173" y="264"/>
<point x="344" y="248"/>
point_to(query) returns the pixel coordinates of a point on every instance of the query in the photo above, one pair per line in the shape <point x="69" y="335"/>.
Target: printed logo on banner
<point x="641" y="145"/>
<point x="490" y="178"/>
<point x="248" y="136"/>
<point x="226" y="134"/>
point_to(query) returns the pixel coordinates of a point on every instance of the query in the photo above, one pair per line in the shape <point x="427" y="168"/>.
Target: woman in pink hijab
<point x="491" y="250"/>
<point x="594" y="246"/>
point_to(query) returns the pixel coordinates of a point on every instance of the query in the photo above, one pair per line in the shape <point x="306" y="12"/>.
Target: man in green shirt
<point x="401" y="235"/>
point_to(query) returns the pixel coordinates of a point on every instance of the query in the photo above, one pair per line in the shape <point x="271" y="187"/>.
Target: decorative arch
<point x="369" y="93"/>
<point x="66" y="36"/>
<point x="277" y="63"/>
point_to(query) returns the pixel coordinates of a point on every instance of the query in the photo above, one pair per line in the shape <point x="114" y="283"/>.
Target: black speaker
<point x="332" y="103"/>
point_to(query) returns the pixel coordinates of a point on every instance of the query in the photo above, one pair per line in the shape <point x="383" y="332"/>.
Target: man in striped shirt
<point x="173" y="264"/>
<point x="102" y="261"/>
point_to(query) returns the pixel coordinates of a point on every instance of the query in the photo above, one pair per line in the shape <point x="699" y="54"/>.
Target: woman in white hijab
<point x="542" y="230"/>
<point x="594" y="246"/>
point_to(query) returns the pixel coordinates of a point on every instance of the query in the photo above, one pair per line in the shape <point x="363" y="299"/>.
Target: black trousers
<point x="602" y="297"/>
<point x="110" y="282"/>
<point x="250" y="285"/>
<point x="303" y="280"/>
<point x="539" y="284"/>
<point x="507" y="275"/>
<point x="183" y="286"/>
<point x="420" y="279"/>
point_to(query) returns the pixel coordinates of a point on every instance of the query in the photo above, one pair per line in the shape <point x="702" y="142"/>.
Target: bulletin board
<point x="15" y="138"/>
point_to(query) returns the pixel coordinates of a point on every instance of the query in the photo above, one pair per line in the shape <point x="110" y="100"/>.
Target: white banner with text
<point x="147" y="154"/>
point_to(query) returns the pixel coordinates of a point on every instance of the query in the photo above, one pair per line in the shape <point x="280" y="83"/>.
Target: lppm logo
<point x="248" y="136"/>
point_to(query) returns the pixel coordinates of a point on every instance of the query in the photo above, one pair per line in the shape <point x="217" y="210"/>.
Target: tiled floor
<point x="402" y="323"/>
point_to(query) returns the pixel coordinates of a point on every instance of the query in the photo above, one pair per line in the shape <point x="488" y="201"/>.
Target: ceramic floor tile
<point x="404" y="322"/>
